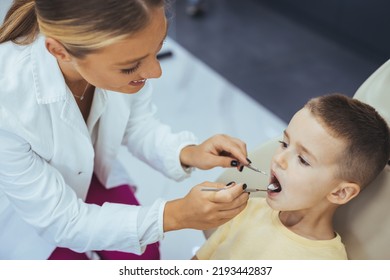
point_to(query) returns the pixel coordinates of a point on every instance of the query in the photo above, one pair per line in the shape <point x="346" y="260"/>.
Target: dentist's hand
<point x="204" y="209"/>
<point x="219" y="150"/>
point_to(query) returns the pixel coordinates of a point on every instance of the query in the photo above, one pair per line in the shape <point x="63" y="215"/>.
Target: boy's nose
<point x="281" y="159"/>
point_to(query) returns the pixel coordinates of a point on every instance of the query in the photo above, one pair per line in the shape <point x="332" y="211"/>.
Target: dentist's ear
<point x="343" y="193"/>
<point x="57" y="49"/>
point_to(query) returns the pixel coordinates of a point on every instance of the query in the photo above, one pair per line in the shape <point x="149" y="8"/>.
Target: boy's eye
<point x="303" y="161"/>
<point x="283" y="144"/>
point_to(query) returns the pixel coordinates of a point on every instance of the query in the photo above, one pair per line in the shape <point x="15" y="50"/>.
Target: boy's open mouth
<point x="275" y="182"/>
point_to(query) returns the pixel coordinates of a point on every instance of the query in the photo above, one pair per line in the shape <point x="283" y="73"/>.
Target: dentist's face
<point x="304" y="165"/>
<point x="126" y="65"/>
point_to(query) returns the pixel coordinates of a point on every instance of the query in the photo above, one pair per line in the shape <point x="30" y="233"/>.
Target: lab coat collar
<point x="49" y="83"/>
<point x="99" y="104"/>
<point x="50" y="87"/>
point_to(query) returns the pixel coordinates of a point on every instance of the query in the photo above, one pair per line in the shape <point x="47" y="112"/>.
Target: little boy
<point x="331" y="150"/>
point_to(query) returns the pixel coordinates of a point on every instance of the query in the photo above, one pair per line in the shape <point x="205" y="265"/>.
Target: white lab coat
<point x="48" y="155"/>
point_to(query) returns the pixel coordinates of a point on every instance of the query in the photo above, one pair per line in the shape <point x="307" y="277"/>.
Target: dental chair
<point x="363" y="223"/>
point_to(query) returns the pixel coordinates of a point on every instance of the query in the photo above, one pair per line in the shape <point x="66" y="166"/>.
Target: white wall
<point x="4" y="5"/>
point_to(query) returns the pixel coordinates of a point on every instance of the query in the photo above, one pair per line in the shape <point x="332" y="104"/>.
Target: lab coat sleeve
<point x="40" y="196"/>
<point x="154" y="142"/>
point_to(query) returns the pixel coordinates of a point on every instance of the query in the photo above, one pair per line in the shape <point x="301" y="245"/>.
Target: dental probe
<point x="270" y="187"/>
<point x="255" y="169"/>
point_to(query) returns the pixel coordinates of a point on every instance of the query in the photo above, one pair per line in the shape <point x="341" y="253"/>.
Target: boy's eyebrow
<point x="128" y="62"/>
<point x="299" y="145"/>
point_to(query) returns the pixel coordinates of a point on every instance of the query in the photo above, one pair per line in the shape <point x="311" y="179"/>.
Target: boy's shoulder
<point x="257" y="202"/>
<point x="257" y="205"/>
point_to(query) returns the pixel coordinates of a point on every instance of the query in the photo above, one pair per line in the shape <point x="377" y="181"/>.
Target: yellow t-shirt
<point x="258" y="234"/>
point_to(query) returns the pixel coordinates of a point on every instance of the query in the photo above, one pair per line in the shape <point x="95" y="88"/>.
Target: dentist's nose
<point x="153" y="69"/>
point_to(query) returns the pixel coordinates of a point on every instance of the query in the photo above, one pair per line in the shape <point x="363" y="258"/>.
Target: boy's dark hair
<point x="366" y="134"/>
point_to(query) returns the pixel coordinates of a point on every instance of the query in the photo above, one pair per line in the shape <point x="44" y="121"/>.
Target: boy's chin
<point x="271" y="203"/>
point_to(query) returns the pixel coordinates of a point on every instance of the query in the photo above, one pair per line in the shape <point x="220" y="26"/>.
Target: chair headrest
<point x="363" y="223"/>
<point x="375" y="91"/>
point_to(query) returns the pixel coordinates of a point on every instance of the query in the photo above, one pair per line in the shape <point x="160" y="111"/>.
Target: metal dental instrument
<point x="271" y="187"/>
<point x="255" y="169"/>
<point x="219" y="189"/>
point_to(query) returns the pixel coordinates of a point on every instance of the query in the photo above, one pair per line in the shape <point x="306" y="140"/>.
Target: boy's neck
<point x="310" y="224"/>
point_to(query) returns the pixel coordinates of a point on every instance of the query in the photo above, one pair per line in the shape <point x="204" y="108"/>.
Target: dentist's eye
<point x="131" y="70"/>
<point x="283" y="144"/>
<point x="303" y="161"/>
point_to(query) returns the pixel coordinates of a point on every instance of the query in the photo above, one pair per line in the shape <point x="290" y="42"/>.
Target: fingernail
<point x="234" y="163"/>
<point x="241" y="168"/>
<point x="244" y="186"/>
<point x="228" y="184"/>
<point x="248" y="160"/>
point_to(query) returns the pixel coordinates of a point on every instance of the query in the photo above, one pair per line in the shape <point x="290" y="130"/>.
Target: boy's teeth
<point x="271" y="187"/>
<point x="274" y="187"/>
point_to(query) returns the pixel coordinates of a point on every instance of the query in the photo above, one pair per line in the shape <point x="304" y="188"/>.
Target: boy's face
<point x="304" y="165"/>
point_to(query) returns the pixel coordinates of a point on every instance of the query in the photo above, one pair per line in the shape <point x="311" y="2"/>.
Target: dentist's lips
<point x="275" y="182"/>
<point x="137" y="83"/>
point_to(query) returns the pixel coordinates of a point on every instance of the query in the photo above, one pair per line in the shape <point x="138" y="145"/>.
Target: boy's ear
<point x="57" y="50"/>
<point x="343" y="193"/>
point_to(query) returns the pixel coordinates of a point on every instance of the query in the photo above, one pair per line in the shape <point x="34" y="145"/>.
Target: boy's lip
<point x="273" y="179"/>
<point x="273" y="175"/>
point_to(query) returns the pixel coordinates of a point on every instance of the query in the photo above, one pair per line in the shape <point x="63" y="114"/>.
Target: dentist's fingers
<point x="205" y="209"/>
<point x="219" y="150"/>
<point x="228" y="194"/>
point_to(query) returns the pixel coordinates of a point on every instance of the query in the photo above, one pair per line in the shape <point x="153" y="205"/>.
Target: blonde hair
<point x="20" y="23"/>
<point x="81" y="26"/>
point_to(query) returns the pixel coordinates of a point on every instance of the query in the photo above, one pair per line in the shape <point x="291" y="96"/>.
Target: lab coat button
<point x="79" y="173"/>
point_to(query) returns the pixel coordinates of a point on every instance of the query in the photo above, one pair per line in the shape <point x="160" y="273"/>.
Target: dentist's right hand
<point x="203" y="209"/>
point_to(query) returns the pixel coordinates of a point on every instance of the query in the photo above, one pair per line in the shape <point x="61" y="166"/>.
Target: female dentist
<point x="74" y="88"/>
